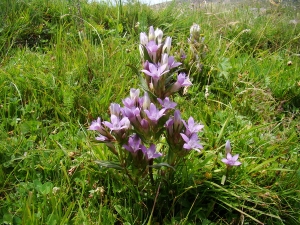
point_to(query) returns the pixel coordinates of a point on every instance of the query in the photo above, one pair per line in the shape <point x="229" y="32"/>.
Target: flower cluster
<point x="142" y="122"/>
<point x="197" y="47"/>
<point x="160" y="69"/>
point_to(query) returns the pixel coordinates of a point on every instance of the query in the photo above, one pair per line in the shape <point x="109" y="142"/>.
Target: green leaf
<point x="109" y="164"/>
<point x="159" y="165"/>
<point x="134" y="69"/>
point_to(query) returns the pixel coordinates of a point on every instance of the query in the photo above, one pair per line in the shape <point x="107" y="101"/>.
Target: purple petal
<point x="235" y="157"/>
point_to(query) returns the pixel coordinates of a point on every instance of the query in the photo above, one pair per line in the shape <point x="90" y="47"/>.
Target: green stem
<point x="151" y="171"/>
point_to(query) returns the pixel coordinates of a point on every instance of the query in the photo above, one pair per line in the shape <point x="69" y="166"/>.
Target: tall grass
<point x="64" y="62"/>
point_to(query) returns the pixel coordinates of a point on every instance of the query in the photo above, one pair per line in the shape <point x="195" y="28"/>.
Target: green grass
<point x="63" y="63"/>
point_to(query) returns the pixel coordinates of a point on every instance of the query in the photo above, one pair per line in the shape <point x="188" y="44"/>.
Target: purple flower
<point x="155" y="71"/>
<point x="166" y="103"/>
<point x="117" y="124"/>
<point x="150" y="152"/>
<point x="192" y="127"/>
<point x="152" y="49"/>
<point x="96" y="125"/>
<point x="102" y="138"/>
<point x="182" y="81"/>
<point x="153" y="113"/>
<point x="191" y="142"/>
<point x="231" y="160"/>
<point x="172" y="63"/>
<point x="129" y="103"/>
<point x="134" y="144"/>
<point x="133" y="100"/>
<point x="131" y="113"/>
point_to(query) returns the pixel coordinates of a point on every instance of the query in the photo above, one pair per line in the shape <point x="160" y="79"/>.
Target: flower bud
<point x="158" y="35"/>
<point x="146" y="101"/>
<point x="177" y="120"/>
<point x="114" y="109"/>
<point x="167" y="45"/>
<point x="195" y="31"/>
<point x="134" y="93"/>
<point x="227" y="147"/>
<point x="164" y="59"/>
<point x="151" y="34"/>
<point x="143" y="38"/>
<point x="144" y="124"/>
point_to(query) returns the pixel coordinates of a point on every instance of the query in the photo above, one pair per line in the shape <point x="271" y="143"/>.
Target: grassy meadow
<point x="62" y="63"/>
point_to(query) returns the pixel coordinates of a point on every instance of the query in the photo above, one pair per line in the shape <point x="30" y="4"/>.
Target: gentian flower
<point x="153" y="113"/>
<point x="172" y="63"/>
<point x="192" y="127"/>
<point x="131" y="113"/>
<point x="155" y="71"/>
<point x="150" y="152"/>
<point x="129" y="102"/>
<point x="191" y="142"/>
<point x="96" y="125"/>
<point x="166" y="103"/>
<point x="134" y="144"/>
<point x="231" y="160"/>
<point x="102" y="138"/>
<point x="152" y="48"/>
<point x="117" y="124"/>
<point x="182" y="81"/>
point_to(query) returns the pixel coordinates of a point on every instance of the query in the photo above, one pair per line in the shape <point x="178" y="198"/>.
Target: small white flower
<point x="55" y="190"/>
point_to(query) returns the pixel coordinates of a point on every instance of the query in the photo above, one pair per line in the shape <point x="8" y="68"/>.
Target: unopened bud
<point x="195" y="31"/>
<point x="151" y="34"/>
<point x="158" y="35"/>
<point x="227" y="147"/>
